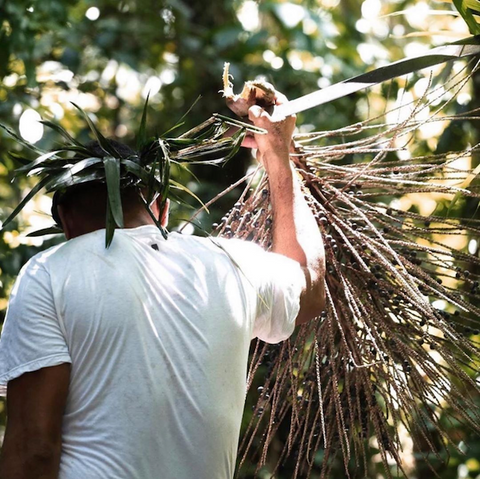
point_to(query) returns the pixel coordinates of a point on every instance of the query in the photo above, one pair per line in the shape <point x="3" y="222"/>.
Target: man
<point x="130" y="362"/>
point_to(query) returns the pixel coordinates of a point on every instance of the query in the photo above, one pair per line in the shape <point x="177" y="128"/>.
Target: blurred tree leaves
<point x="27" y="32"/>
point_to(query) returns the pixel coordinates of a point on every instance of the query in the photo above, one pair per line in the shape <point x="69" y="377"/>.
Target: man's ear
<point x="156" y="207"/>
<point x="66" y="220"/>
<point x="164" y="214"/>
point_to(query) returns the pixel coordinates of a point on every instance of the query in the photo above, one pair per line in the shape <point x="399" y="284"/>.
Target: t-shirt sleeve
<point x="276" y="283"/>
<point x="32" y="336"/>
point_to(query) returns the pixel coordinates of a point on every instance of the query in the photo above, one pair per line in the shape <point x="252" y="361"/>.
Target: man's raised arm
<point x="295" y="231"/>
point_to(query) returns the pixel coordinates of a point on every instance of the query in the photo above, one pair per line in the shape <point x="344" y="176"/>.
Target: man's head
<point x="82" y="208"/>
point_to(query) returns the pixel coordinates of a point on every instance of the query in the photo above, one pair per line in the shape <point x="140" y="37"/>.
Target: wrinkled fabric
<point x="157" y="333"/>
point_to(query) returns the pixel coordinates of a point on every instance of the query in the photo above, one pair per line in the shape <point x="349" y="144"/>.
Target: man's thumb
<point x="254" y="112"/>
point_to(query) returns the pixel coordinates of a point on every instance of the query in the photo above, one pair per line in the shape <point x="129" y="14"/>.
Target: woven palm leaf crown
<point x="147" y="169"/>
<point x="63" y="196"/>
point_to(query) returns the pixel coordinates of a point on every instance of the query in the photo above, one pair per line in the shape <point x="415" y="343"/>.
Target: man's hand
<point x="295" y="231"/>
<point x="33" y="438"/>
<point x="259" y="114"/>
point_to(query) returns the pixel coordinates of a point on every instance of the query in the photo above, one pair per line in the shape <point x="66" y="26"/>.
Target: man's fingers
<point x="259" y="157"/>
<point x="249" y="142"/>
<point x="255" y="112"/>
<point x="280" y="98"/>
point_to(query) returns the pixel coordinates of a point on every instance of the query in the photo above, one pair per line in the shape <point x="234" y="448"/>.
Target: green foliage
<point x="469" y="9"/>
<point x="27" y="32"/>
<point x="148" y="169"/>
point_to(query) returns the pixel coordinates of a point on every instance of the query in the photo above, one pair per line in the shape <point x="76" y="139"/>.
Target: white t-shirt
<point x="157" y="333"/>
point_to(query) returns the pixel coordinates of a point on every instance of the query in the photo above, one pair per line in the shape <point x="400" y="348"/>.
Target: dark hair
<point x="123" y="150"/>
<point x="69" y="195"/>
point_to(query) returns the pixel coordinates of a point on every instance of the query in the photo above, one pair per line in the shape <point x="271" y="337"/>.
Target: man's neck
<point x="84" y="227"/>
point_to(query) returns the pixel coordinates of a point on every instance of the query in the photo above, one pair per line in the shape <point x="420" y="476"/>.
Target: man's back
<point x="157" y="332"/>
<point x="130" y="362"/>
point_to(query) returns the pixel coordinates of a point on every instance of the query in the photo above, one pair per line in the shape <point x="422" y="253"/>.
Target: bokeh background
<point x="107" y="55"/>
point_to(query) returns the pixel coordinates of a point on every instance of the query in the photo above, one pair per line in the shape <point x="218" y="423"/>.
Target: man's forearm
<point x="28" y="460"/>
<point x="295" y="231"/>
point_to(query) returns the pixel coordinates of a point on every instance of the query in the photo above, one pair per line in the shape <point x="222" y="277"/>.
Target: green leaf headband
<point x="148" y="169"/>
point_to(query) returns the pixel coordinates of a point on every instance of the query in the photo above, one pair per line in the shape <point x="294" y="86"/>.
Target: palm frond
<point x="73" y="163"/>
<point x="469" y="10"/>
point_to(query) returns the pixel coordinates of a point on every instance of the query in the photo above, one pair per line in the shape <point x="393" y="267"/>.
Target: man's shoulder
<point x="220" y="245"/>
<point x="61" y="251"/>
<point x="180" y="243"/>
<point x="43" y="257"/>
<point x="236" y="245"/>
